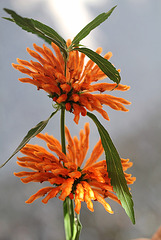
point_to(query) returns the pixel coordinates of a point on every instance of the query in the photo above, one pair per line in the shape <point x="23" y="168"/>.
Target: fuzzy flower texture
<point x="67" y="175"/>
<point x="74" y="87"/>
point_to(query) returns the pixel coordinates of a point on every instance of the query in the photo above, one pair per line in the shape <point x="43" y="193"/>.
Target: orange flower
<point x="67" y="174"/>
<point x="73" y="89"/>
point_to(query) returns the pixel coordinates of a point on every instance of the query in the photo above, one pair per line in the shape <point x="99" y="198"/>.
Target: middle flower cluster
<point x="71" y="85"/>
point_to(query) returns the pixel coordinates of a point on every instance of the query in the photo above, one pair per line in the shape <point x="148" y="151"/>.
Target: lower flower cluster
<point x="65" y="173"/>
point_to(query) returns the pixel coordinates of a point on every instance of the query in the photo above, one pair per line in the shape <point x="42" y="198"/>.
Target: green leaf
<point x="31" y="133"/>
<point x="9" y="19"/>
<point x="103" y="64"/>
<point x="48" y="31"/>
<point x="115" y="171"/>
<point x="38" y="28"/>
<point x="90" y="26"/>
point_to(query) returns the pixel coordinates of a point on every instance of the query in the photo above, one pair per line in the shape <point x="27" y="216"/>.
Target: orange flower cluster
<point x="72" y="87"/>
<point x="65" y="173"/>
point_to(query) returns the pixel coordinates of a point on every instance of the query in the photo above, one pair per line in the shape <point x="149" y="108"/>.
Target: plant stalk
<point x="62" y="129"/>
<point x="67" y="204"/>
<point x="72" y="224"/>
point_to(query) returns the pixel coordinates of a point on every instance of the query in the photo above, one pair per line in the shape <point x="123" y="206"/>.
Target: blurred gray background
<point x="133" y="34"/>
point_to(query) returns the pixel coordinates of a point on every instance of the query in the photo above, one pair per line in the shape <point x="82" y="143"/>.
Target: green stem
<point x="62" y="127"/>
<point x="72" y="224"/>
<point x="78" y="227"/>
<point x="68" y="218"/>
<point x="67" y="204"/>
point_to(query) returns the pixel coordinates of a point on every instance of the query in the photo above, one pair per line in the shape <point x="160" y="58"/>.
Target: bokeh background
<point x="133" y="34"/>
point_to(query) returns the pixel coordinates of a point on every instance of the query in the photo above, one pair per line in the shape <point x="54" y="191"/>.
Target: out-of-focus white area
<point x="66" y="13"/>
<point x="133" y="34"/>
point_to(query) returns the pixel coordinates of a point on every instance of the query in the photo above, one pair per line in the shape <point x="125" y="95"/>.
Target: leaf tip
<point x="7" y="10"/>
<point x="114" y="7"/>
<point x="1" y="166"/>
<point x="133" y="219"/>
<point x="111" y="10"/>
<point x="9" y="19"/>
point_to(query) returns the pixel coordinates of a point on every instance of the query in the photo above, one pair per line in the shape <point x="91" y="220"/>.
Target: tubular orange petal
<point x="84" y="102"/>
<point x="75" y="174"/>
<point x="36" y="55"/>
<point x="71" y="166"/>
<point x="76" y="112"/>
<point x="80" y="192"/>
<point x="113" y="197"/>
<point x="84" y="144"/>
<point x="62" y="98"/>
<point x="49" y="139"/>
<point x="65" y="87"/>
<point x="51" y="194"/>
<point x="88" y="201"/>
<point x="68" y="106"/>
<point x="108" y="87"/>
<point x="22" y="174"/>
<point x="66" y="188"/>
<point x="88" y="189"/>
<point x="75" y="97"/>
<point x="70" y="146"/>
<point x="77" y="204"/>
<point x="96" y="153"/>
<point x="57" y="180"/>
<point x="92" y="99"/>
<point x="39" y="194"/>
<point x="103" y="202"/>
<point x="103" y="98"/>
<point x="27" y="159"/>
<point x="102" y="112"/>
<point x="29" y="80"/>
<point x="83" y="111"/>
<point x="61" y="155"/>
<point x="59" y="55"/>
<point x="24" y="62"/>
<point x="108" y="55"/>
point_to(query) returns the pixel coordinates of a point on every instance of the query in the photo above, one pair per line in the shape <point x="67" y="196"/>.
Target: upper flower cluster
<point x="71" y="85"/>
<point x="67" y="174"/>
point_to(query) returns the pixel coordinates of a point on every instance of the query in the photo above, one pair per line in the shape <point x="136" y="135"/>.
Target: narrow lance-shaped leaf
<point x="38" y="28"/>
<point x="115" y="171"/>
<point x="90" y="26"/>
<point x="9" y="19"/>
<point x="31" y="133"/>
<point x="103" y="64"/>
<point x="48" y="31"/>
